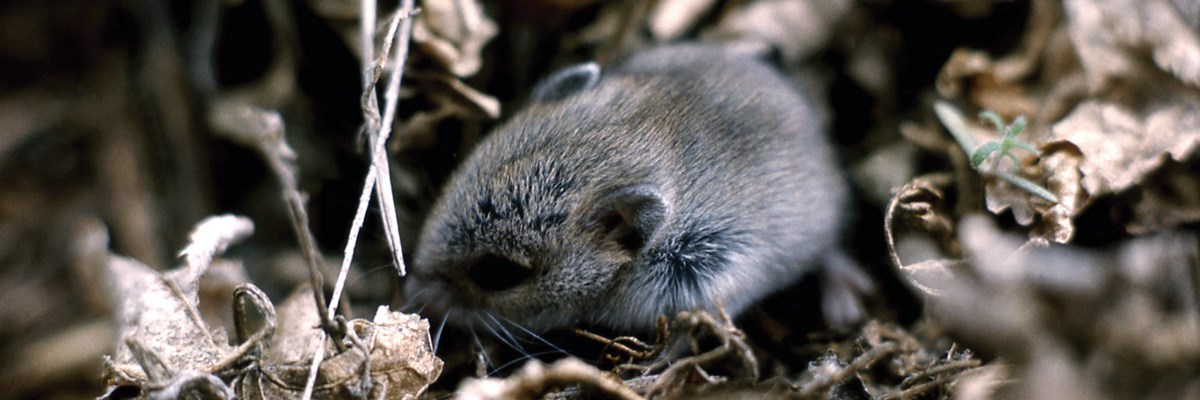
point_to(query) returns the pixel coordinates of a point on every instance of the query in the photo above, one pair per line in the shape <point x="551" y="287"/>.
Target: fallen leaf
<point x="453" y="33"/>
<point x="1121" y="145"/>
<point x="162" y="339"/>
<point x="398" y="361"/>
<point x="670" y="19"/>
<point x="796" y="28"/>
<point x="1110" y="37"/>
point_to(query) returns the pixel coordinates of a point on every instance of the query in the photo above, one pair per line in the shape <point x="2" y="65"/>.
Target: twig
<point x="383" y="187"/>
<point x="934" y="371"/>
<point x="535" y="380"/>
<point x="264" y="131"/>
<point x="377" y="128"/>
<point x="645" y="351"/>
<point x="733" y="343"/>
<point x="862" y="362"/>
<point x="379" y="173"/>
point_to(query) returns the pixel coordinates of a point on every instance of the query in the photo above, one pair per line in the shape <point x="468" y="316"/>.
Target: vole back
<point x="686" y="176"/>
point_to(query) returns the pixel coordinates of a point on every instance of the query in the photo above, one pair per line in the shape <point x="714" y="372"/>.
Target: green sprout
<point x="1007" y="142"/>
<point x="953" y="119"/>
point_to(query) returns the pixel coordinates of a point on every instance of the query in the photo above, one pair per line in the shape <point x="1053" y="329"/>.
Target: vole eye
<point x="495" y="273"/>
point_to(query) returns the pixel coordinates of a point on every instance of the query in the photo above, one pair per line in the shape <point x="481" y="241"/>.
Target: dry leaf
<point x="1064" y="180"/>
<point x="1110" y="37"/>
<point x="212" y="236"/>
<point x="454" y="32"/>
<point x="296" y="332"/>
<point x="796" y="28"/>
<point x="451" y="99"/>
<point x="1121" y="145"/>
<point x="163" y="342"/>
<point x="399" y="357"/>
<point x="670" y="19"/>
<point x="1123" y="148"/>
<point x="1037" y="80"/>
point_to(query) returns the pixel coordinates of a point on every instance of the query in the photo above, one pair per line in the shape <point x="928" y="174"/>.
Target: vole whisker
<point x="413" y="300"/>
<point x="437" y="334"/>
<point x="421" y="309"/>
<point x="506" y="332"/>
<point x="535" y="336"/>
<point x="509" y="341"/>
<point x="479" y="346"/>
<point x="520" y="359"/>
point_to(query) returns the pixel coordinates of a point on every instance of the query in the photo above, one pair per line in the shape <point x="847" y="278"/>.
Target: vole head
<point x="539" y="225"/>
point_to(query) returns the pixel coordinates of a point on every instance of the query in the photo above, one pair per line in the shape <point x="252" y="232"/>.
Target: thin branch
<point x="383" y="187"/>
<point x="379" y="174"/>
<point x="818" y="386"/>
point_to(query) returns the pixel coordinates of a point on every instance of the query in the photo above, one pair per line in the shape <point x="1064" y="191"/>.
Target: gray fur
<point x="749" y="197"/>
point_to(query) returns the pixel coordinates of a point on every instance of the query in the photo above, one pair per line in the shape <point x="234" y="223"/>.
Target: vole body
<point x="686" y="176"/>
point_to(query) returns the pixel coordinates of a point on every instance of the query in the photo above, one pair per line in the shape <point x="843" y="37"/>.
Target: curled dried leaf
<point x="213" y="235"/>
<point x="917" y="205"/>
<point x="1061" y="161"/>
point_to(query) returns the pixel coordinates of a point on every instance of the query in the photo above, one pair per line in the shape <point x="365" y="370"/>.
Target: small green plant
<point x="953" y="119"/>
<point x="1007" y="142"/>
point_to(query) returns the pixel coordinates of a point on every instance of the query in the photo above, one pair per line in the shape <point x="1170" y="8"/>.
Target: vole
<point x="686" y="176"/>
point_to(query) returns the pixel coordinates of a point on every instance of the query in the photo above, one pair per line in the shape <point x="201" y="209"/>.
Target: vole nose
<point x="494" y="273"/>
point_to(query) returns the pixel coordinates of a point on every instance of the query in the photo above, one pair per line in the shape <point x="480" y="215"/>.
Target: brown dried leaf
<point x="1111" y="35"/>
<point x="999" y="195"/>
<point x="402" y="358"/>
<point x="917" y="206"/>
<point x="670" y="19"/>
<point x="1121" y="145"/>
<point x="399" y="356"/>
<point x="161" y="333"/>
<point x="1064" y="180"/>
<point x="452" y="99"/>
<point x="796" y="28"/>
<point x="454" y="33"/>
<point x="1040" y="79"/>
<point x="296" y="333"/>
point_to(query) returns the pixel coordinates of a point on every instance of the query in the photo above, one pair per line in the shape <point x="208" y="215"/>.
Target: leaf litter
<point x="1090" y="292"/>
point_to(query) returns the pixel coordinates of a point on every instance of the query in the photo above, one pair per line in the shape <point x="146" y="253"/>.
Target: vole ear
<point x="628" y="216"/>
<point x="566" y="82"/>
